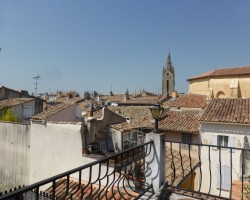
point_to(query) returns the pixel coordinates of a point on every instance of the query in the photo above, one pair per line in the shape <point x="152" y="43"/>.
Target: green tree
<point x="9" y="116"/>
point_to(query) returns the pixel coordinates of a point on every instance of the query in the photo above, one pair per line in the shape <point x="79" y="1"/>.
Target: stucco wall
<point x="55" y="148"/>
<point x="199" y="86"/>
<point x="176" y="136"/>
<point x="14" y="154"/>
<point x="220" y="85"/>
<point x="30" y="153"/>
<point x="238" y="132"/>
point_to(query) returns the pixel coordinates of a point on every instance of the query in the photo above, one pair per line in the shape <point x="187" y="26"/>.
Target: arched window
<point x="220" y="94"/>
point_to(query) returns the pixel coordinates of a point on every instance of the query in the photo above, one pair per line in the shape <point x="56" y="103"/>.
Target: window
<point x="222" y="141"/>
<point x="223" y="177"/>
<point x="186" y="138"/>
<point x="129" y="140"/>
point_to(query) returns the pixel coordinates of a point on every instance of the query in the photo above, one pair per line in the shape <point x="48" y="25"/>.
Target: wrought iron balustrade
<point x="120" y="176"/>
<point x="207" y="171"/>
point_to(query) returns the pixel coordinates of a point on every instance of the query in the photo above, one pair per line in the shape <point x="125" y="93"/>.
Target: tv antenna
<point x="36" y="83"/>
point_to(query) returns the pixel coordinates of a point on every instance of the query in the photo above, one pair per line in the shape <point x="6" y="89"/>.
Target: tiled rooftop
<point x="192" y="101"/>
<point x="125" y="126"/>
<point x="138" y="115"/>
<point x="70" y="100"/>
<point x="182" y="169"/>
<point x="14" y="101"/>
<point x="84" y="105"/>
<point x="142" y="100"/>
<point x="181" y="120"/>
<point x="188" y="101"/>
<point x="88" y="192"/>
<point x="51" y="111"/>
<point x="227" y="111"/>
<point x="182" y="166"/>
<point x="233" y="71"/>
<point x="115" y="97"/>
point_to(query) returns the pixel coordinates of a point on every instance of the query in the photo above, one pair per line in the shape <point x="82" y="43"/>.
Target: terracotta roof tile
<point x="70" y="100"/>
<point x="188" y="101"/>
<point x="14" y="101"/>
<point x="181" y="120"/>
<point x="92" y="191"/>
<point x="122" y="127"/>
<point x="233" y="71"/>
<point x="192" y="101"/>
<point x="227" y="111"/>
<point x="138" y="115"/>
<point x="182" y="166"/>
<point x="142" y="100"/>
<point x="114" y="98"/>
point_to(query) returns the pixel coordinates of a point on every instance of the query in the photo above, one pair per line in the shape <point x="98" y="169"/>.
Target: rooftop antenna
<point x="36" y="83"/>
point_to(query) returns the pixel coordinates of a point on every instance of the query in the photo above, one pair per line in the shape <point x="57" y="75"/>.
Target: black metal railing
<point x="120" y="176"/>
<point x="207" y="171"/>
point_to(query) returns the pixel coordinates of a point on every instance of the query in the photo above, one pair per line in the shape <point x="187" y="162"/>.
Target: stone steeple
<point x="168" y="77"/>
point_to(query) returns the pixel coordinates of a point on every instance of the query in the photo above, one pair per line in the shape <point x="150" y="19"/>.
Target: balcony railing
<point x="207" y="171"/>
<point x="201" y="171"/>
<point x="120" y="176"/>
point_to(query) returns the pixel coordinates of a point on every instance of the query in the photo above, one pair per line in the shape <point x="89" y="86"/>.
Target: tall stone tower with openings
<point x="168" y="77"/>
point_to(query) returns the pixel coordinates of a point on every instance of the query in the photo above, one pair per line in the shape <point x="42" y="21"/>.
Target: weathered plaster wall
<point x="14" y="154"/>
<point x="55" y="148"/>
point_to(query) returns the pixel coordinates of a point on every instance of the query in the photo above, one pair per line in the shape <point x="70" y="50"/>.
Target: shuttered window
<point x="223" y="141"/>
<point x="224" y="178"/>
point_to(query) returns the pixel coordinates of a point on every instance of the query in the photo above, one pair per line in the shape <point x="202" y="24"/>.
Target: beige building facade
<point x="222" y="83"/>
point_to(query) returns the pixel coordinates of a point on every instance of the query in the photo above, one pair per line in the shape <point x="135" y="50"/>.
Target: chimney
<point x="126" y="95"/>
<point x="91" y="110"/>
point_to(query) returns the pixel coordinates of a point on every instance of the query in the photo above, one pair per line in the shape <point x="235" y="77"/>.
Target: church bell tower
<point x="168" y="77"/>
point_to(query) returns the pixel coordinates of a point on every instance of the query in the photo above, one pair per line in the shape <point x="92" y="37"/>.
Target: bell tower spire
<point x="168" y="77"/>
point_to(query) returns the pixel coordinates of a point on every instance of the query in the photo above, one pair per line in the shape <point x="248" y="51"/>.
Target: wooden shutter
<point x="231" y="143"/>
<point x="225" y="177"/>
<point x="214" y="141"/>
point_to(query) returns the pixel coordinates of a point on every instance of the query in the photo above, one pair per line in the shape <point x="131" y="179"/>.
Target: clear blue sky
<point x="90" y="45"/>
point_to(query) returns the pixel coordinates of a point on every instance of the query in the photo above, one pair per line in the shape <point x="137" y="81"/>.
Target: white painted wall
<point x="208" y="130"/>
<point x="30" y="153"/>
<point x="14" y="154"/>
<point x="55" y="148"/>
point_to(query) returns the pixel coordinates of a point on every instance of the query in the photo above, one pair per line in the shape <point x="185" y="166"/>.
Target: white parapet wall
<point x="14" y="154"/>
